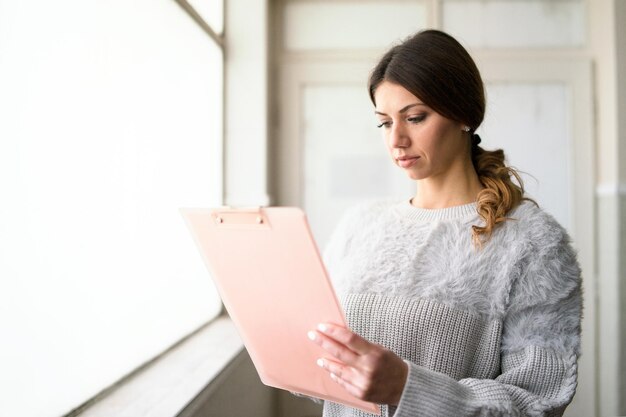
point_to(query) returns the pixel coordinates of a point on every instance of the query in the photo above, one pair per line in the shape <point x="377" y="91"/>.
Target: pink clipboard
<point x="269" y="272"/>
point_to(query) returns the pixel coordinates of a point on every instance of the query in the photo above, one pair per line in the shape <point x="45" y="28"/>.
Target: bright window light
<point x="110" y="120"/>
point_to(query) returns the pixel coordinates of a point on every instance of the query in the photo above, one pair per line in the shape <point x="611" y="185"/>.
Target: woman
<point x="466" y="299"/>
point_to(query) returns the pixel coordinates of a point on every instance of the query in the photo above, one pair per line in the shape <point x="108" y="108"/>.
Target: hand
<point x="366" y="370"/>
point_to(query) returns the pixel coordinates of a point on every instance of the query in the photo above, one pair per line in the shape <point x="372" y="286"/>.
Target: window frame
<point x="193" y="13"/>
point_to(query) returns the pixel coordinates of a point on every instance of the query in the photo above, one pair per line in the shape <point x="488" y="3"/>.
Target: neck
<point x="459" y="185"/>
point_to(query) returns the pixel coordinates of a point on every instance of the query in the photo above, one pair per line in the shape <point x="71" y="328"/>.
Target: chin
<point x="416" y="175"/>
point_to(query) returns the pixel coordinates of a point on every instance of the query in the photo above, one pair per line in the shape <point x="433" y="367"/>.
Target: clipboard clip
<point x="240" y="217"/>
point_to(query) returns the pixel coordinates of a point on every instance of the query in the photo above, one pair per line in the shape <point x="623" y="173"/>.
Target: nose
<point x="398" y="136"/>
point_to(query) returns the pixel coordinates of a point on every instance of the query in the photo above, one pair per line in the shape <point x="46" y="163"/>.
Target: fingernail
<point x="320" y="362"/>
<point x="322" y="327"/>
<point x="311" y="335"/>
<point x="333" y="376"/>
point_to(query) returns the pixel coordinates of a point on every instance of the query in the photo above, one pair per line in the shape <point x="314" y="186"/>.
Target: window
<point x="110" y="120"/>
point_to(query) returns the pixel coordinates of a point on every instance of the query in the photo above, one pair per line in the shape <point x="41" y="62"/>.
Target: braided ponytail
<point x="501" y="194"/>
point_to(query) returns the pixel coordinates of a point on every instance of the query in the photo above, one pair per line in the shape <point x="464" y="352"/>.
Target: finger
<point x="349" y="374"/>
<point x="336" y="349"/>
<point x="345" y="336"/>
<point x="348" y="386"/>
<point x="336" y="368"/>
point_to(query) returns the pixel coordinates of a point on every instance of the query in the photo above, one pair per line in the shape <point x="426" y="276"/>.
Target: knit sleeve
<point x="539" y="348"/>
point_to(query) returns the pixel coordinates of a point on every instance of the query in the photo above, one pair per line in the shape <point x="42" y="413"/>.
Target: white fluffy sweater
<point x="491" y="332"/>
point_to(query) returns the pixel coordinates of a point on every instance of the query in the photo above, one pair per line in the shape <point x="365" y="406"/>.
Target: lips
<point x="407" y="161"/>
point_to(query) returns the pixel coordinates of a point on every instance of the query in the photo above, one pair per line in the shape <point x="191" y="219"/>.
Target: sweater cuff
<point x="431" y="393"/>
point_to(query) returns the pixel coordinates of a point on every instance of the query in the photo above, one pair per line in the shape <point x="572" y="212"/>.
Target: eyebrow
<point x="402" y="110"/>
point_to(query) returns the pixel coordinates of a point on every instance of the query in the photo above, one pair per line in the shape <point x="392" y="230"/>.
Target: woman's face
<point x="420" y="140"/>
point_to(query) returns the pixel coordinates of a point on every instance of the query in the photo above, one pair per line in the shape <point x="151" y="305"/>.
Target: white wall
<point x="608" y="19"/>
<point x="247" y="91"/>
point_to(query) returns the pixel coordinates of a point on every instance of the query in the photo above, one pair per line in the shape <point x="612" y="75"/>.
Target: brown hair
<point x="436" y="68"/>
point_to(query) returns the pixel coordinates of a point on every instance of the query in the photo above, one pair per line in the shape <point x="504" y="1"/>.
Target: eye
<point x="384" y="124"/>
<point x="417" y="119"/>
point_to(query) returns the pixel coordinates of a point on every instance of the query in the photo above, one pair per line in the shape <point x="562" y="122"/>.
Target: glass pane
<point x="515" y="23"/>
<point x="104" y="135"/>
<point x="212" y="11"/>
<point x="322" y="25"/>
<point x="346" y="160"/>
<point x="531" y="123"/>
<point x="210" y="117"/>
